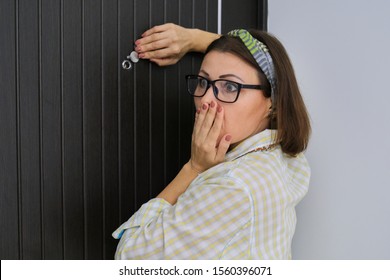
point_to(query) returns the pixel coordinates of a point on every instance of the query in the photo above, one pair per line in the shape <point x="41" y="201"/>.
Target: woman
<point x="236" y="196"/>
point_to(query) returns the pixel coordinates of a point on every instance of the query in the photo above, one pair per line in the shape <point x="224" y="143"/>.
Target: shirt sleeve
<point x="199" y="226"/>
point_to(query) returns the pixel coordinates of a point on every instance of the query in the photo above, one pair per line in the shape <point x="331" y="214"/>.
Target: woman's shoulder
<point x="272" y="167"/>
<point x="262" y="168"/>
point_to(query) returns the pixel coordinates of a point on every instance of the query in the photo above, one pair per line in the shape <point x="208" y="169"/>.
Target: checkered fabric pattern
<point x="243" y="208"/>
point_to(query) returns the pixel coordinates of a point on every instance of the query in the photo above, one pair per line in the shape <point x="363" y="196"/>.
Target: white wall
<point x="341" y="53"/>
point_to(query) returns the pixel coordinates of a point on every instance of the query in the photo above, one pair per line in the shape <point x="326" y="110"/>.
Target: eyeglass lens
<point x="224" y="90"/>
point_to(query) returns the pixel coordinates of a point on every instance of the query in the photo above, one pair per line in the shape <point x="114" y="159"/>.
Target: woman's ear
<point x="270" y="108"/>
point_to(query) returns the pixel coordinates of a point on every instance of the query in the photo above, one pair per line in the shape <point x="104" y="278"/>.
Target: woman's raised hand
<point x="208" y="148"/>
<point x="166" y="44"/>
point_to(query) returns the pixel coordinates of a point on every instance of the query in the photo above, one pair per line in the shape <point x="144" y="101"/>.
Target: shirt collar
<point x="262" y="139"/>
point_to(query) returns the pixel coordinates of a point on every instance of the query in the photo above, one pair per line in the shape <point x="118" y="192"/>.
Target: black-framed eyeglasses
<point x="224" y="90"/>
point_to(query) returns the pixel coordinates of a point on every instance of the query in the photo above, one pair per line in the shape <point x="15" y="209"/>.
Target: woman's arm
<point x="201" y="225"/>
<point x="179" y="184"/>
<point x="166" y="44"/>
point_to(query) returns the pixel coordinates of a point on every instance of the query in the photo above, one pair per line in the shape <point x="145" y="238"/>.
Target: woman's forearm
<point x="201" y="39"/>
<point x="179" y="184"/>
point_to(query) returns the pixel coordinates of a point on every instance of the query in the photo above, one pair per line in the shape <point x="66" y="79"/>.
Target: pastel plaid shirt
<point x="243" y="208"/>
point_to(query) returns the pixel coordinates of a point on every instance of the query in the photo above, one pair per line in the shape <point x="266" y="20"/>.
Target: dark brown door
<point x="84" y="142"/>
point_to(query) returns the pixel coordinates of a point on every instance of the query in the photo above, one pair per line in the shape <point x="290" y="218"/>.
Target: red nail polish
<point x="228" y="138"/>
<point x="212" y="105"/>
<point x="204" y="106"/>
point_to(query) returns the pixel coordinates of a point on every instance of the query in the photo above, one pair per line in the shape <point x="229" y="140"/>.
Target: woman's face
<point x="249" y="114"/>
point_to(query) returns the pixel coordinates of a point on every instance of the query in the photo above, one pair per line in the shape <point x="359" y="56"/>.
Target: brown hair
<point x="289" y="115"/>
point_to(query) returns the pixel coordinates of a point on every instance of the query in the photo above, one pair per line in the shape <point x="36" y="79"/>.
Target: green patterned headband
<point x="261" y="54"/>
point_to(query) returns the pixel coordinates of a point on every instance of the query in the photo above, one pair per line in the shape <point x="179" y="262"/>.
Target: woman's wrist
<point x="201" y="39"/>
<point x="179" y="184"/>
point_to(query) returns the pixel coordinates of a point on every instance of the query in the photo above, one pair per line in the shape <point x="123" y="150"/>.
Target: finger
<point x="156" y="29"/>
<point x="201" y="117"/>
<point x="209" y="120"/>
<point x="223" y="147"/>
<point x="156" y="34"/>
<point x="161" y="53"/>
<point x="154" y="45"/>
<point x="203" y="130"/>
<point x="197" y="112"/>
<point x="144" y="43"/>
<point x="217" y="125"/>
<point x="195" y="123"/>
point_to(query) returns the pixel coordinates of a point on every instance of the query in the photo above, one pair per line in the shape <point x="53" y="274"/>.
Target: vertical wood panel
<point x="142" y="110"/>
<point x="9" y="214"/>
<point x="30" y="129"/>
<point x="110" y="124"/>
<point x="72" y="106"/>
<point x="92" y="128"/>
<point x="126" y="113"/>
<point x="51" y="121"/>
<point x="72" y="84"/>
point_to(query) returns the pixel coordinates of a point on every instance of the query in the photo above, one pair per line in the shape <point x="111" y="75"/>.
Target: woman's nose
<point x="208" y="96"/>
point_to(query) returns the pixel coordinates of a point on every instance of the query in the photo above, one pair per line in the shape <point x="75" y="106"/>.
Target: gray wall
<point x="340" y="50"/>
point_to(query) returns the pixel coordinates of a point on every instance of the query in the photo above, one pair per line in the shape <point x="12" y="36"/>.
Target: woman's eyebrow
<point x="222" y="76"/>
<point x="231" y="75"/>
<point x="204" y="72"/>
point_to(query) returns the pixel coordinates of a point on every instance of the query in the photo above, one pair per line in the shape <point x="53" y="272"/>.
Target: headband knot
<point x="260" y="53"/>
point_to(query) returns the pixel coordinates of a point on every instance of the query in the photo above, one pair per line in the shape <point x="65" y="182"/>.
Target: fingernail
<point x="219" y="109"/>
<point x="198" y="110"/>
<point x="141" y="55"/>
<point x="228" y="138"/>
<point x="212" y="105"/>
<point x="138" y="49"/>
<point x="204" y="106"/>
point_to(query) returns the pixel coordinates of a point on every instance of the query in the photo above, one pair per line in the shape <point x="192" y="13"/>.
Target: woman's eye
<point x="230" y="87"/>
<point x="202" y="83"/>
